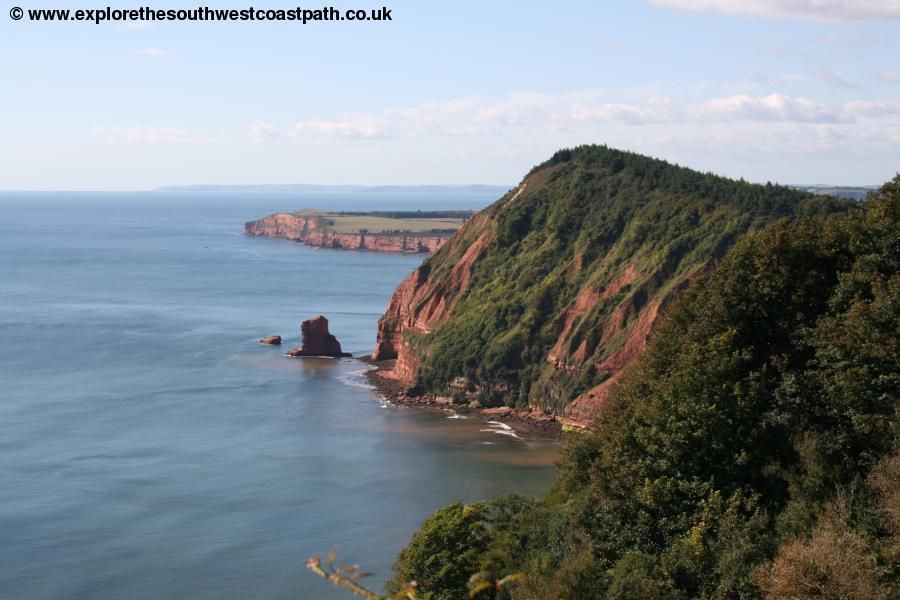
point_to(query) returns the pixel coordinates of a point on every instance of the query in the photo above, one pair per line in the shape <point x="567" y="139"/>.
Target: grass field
<point x="353" y="223"/>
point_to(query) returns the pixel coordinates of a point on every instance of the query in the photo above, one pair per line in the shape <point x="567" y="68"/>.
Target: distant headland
<point x="378" y="231"/>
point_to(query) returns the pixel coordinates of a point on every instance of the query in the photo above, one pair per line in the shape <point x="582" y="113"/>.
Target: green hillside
<point x="576" y="264"/>
<point x="752" y="450"/>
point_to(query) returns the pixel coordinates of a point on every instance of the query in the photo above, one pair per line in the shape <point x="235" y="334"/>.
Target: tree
<point x="443" y="555"/>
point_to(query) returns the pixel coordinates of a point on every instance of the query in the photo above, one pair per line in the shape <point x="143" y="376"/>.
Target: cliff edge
<point x="357" y="231"/>
<point x="541" y="300"/>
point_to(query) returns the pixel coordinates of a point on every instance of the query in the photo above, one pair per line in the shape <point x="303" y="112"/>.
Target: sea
<point x="150" y="448"/>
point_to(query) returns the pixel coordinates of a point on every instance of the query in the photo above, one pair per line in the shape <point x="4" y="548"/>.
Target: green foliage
<point x="638" y="576"/>
<point x="444" y="553"/>
<point x="580" y="221"/>
<point x="751" y="451"/>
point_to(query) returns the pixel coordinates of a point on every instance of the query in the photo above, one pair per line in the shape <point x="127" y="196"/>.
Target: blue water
<point x="151" y="449"/>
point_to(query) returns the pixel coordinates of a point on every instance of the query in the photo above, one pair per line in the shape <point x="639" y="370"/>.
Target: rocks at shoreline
<point x="271" y="340"/>
<point x="534" y="421"/>
<point x="316" y="340"/>
<point x="538" y="415"/>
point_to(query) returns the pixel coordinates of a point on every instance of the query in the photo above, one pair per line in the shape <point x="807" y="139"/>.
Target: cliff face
<point x="310" y="231"/>
<point x="420" y="302"/>
<point x="542" y="299"/>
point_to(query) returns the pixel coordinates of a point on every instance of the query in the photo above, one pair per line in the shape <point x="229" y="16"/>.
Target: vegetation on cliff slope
<point x="623" y="230"/>
<point x="750" y="452"/>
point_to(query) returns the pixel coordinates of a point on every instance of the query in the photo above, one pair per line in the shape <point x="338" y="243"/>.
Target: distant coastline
<point x="408" y="232"/>
<point x="851" y="192"/>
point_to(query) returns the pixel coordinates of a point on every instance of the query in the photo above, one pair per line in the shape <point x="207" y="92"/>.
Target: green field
<point x="390" y="222"/>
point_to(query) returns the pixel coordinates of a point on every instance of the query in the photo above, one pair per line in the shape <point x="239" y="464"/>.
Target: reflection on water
<point x="151" y="448"/>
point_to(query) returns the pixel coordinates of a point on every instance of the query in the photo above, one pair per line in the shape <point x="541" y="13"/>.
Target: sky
<point x="461" y="92"/>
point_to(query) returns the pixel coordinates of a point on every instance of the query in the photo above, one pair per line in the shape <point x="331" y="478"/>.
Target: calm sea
<point x="151" y="449"/>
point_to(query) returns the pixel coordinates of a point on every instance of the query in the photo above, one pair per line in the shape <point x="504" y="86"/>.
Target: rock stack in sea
<point x="316" y="340"/>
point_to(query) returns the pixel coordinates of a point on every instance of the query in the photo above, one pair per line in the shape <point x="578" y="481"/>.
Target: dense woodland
<point x="583" y="218"/>
<point x="751" y="452"/>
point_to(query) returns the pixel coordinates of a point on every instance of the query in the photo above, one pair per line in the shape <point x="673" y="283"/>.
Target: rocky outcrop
<point x="311" y="231"/>
<point x="543" y="299"/>
<point x="271" y="340"/>
<point x="609" y="340"/>
<point x="316" y="340"/>
<point x="421" y="301"/>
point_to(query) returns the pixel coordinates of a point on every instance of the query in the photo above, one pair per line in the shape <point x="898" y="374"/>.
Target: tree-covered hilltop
<point x="545" y="296"/>
<point x="751" y="451"/>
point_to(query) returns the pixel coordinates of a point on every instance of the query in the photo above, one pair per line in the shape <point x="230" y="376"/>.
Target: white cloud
<point x="814" y="10"/>
<point x="140" y="133"/>
<point x="652" y="110"/>
<point x="569" y="112"/>
<point x="736" y="127"/>
<point x="774" y="107"/>
<point x="888" y="76"/>
<point x="872" y="109"/>
<point x="454" y="118"/>
<point x="260" y="132"/>
<point x="352" y="126"/>
<point x="152" y="52"/>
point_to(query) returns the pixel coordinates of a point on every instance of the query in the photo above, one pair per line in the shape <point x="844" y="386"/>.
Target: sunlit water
<point x="151" y="449"/>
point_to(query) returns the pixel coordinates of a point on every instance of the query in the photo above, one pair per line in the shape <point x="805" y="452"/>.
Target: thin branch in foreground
<point x="348" y="578"/>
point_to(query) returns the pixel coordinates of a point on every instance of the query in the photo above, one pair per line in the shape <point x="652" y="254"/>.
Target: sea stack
<point x="316" y="340"/>
<point x="271" y="340"/>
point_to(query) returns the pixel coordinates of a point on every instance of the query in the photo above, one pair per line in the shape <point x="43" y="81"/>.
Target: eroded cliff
<point x="541" y="300"/>
<point x="311" y="231"/>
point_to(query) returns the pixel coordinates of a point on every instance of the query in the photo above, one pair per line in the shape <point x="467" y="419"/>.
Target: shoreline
<point x="313" y="230"/>
<point x="539" y="424"/>
<point x="423" y="253"/>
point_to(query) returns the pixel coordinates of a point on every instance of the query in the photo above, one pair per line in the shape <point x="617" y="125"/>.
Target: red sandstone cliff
<point x="590" y="330"/>
<point x="421" y="301"/>
<point x="543" y="299"/>
<point x="309" y="230"/>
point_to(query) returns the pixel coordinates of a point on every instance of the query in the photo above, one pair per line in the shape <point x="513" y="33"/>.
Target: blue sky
<point x="451" y="92"/>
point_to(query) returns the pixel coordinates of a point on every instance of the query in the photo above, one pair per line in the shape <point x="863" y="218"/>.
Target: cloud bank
<point x="570" y="112"/>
